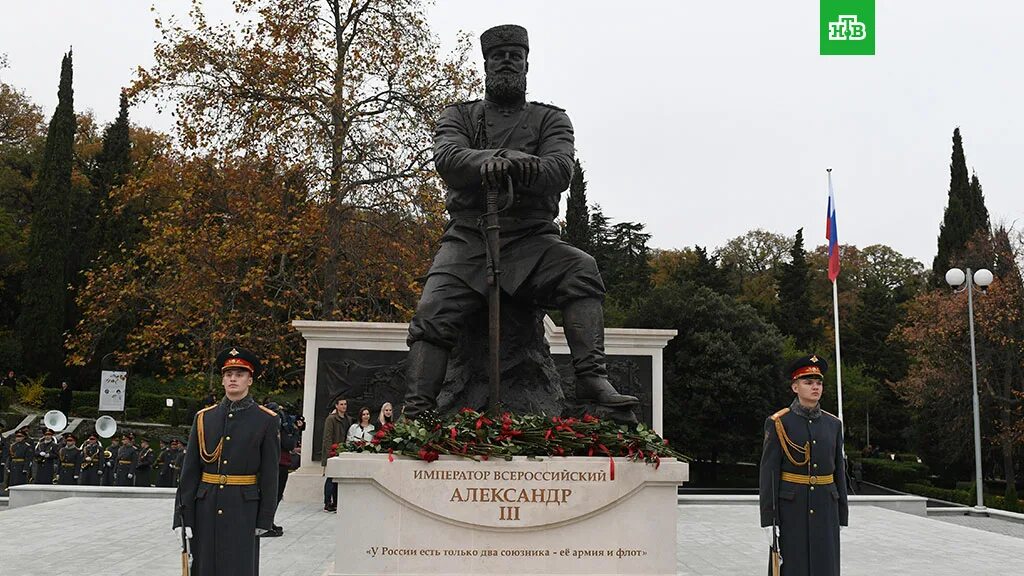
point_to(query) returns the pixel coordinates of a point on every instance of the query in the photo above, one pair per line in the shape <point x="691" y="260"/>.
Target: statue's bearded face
<point x="506" y="68"/>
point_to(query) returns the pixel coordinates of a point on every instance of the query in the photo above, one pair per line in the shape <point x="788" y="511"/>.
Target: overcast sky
<point x="701" y="119"/>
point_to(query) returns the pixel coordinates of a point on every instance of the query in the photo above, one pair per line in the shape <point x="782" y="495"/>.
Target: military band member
<point x="127" y="461"/>
<point x="70" y="459"/>
<point x="91" y="473"/>
<point x="19" y="460"/>
<point x="802" y="479"/>
<point x="161" y="465"/>
<point x="110" y="461"/>
<point x="46" y="459"/>
<point x="179" y="458"/>
<point x="144" y="469"/>
<point x="227" y="495"/>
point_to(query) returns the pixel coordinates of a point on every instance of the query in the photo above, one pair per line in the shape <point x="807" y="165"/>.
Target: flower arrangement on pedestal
<point x="479" y="436"/>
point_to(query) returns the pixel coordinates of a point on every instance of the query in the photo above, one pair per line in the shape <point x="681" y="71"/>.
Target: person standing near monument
<point x="335" y="431"/>
<point x="127" y="461"/>
<point x="110" y="461"/>
<point x="479" y="144"/>
<point x="46" y="459"/>
<point x="802" y="480"/>
<point x="143" y="472"/>
<point x="227" y="494"/>
<point x="91" y="473"/>
<point x="19" y="459"/>
<point x="70" y="460"/>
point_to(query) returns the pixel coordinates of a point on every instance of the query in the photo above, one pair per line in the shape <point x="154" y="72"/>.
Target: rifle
<point x="186" y="547"/>
<point x="774" y="555"/>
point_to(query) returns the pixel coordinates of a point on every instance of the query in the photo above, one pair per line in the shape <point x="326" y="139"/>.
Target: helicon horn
<point x="55" y="420"/>
<point x="106" y="426"/>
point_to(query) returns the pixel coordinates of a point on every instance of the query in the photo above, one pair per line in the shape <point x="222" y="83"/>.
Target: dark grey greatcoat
<point x="19" y="461"/>
<point x="46" y="462"/>
<point x="809" y="516"/>
<point x="91" y="470"/>
<point x="70" y="460"/>
<point x="126" y="464"/>
<point x="224" y="518"/>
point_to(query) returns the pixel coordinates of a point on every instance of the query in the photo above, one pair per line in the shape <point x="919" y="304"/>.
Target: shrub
<point x="31" y="392"/>
<point x="895" y="475"/>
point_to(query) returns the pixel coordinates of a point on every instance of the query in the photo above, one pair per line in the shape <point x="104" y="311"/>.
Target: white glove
<point x="768" y="534"/>
<point x="188" y="532"/>
<point x="129" y="476"/>
<point x="43" y="454"/>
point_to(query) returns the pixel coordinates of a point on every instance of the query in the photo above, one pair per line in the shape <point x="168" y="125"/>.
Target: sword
<point x="492" y="240"/>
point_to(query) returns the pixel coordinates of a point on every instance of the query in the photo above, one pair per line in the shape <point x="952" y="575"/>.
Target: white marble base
<point x="29" y="494"/>
<point x="305" y="484"/>
<point x="457" y="517"/>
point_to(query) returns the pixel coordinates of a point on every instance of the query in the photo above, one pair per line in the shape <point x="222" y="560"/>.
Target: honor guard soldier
<point x="802" y="478"/>
<point x="110" y="461"/>
<point x="127" y="461"/>
<point x="70" y="460"/>
<point x="227" y="495"/>
<point x="46" y="459"/>
<point x="19" y="459"/>
<point x="144" y="469"/>
<point x="92" y="462"/>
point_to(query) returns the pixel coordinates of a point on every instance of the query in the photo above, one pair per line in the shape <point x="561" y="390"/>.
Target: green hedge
<point x="893" y="474"/>
<point x="964" y="497"/>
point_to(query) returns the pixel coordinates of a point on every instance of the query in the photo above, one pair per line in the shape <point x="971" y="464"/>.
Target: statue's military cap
<point x="235" y="357"/>
<point x="504" y="35"/>
<point x="808" y="367"/>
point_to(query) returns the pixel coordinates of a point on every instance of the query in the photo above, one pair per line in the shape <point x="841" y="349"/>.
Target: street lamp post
<point x="955" y="278"/>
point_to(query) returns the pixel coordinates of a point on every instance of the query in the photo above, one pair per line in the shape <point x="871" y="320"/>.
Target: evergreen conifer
<point x="44" y="298"/>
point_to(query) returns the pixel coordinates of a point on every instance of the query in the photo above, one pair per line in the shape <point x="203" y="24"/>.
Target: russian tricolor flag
<point x="830" y="233"/>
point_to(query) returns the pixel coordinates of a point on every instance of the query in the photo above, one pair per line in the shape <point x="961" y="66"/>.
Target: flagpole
<point x="839" y="363"/>
<point x="835" y="307"/>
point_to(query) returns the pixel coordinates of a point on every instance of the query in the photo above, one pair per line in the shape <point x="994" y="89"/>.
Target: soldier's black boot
<point x="424" y="376"/>
<point x="584" y="331"/>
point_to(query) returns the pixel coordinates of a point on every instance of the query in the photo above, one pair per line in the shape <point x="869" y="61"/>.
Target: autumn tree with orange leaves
<point x="347" y="92"/>
<point x="938" y="384"/>
<point x="302" y="185"/>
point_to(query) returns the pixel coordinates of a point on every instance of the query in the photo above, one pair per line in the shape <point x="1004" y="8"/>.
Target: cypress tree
<point x="41" y="324"/>
<point x="965" y="215"/>
<point x="113" y="165"/>
<point x="577" y="216"/>
<point x="795" y="316"/>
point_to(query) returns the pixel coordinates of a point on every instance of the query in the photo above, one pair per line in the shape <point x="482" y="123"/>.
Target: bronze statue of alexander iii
<point x="477" y="145"/>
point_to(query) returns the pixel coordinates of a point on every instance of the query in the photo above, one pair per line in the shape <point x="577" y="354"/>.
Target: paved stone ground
<point x="136" y="540"/>
<point x="1015" y="529"/>
<point x="721" y="540"/>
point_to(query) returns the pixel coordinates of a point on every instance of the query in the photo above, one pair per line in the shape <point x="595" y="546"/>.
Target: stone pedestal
<point x="457" y="517"/>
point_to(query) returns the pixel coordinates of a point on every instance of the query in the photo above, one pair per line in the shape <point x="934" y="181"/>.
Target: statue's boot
<point x="584" y="330"/>
<point x="424" y="376"/>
